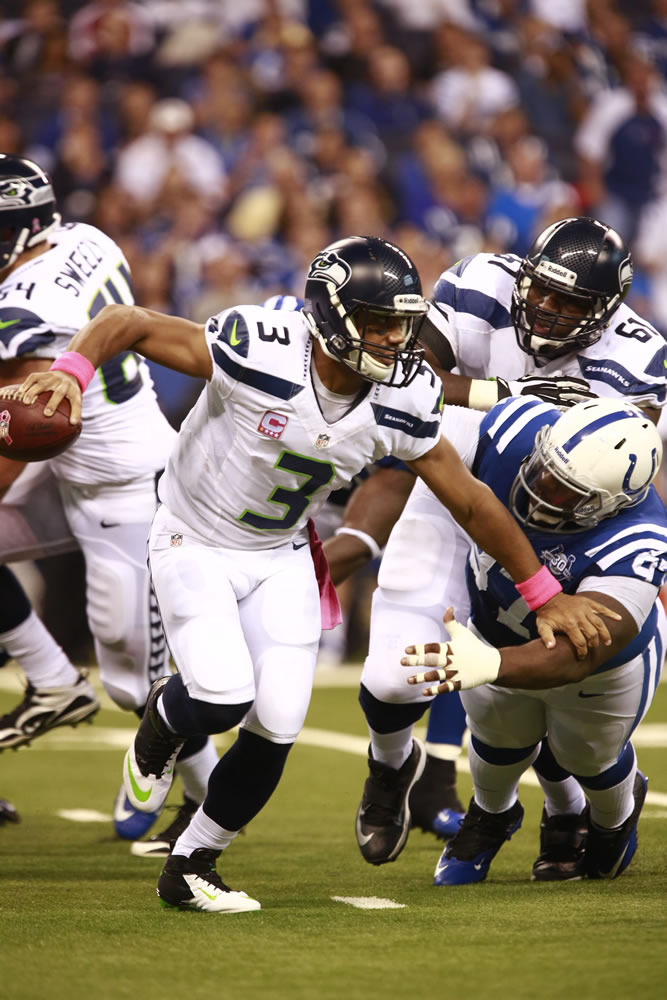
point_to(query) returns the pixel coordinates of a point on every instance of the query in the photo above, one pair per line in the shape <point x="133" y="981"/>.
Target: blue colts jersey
<point x="632" y="543"/>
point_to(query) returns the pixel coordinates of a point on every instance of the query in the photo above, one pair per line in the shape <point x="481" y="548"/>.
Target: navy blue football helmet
<point x="347" y="283"/>
<point x="27" y="207"/>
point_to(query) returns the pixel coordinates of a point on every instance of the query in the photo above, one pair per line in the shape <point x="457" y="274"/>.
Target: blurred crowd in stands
<point x="223" y="142"/>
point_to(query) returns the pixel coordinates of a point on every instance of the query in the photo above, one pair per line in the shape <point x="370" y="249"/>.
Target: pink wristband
<point x="75" y="364"/>
<point x="539" y="588"/>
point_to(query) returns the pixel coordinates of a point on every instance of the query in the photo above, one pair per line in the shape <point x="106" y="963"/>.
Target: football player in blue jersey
<point x="554" y="325"/>
<point x="295" y="403"/>
<point x="580" y="483"/>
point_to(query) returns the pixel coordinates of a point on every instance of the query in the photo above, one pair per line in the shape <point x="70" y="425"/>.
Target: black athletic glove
<point x="562" y="391"/>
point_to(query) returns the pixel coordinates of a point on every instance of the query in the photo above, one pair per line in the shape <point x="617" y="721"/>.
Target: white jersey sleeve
<point x="629" y="360"/>
<point x="474" y="297"/>
<point x="408" y="420"/>
<point x="43" y="303"/>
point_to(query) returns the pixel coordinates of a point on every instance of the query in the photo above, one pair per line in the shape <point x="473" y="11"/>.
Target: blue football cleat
<point x="128" y="822"/>
<point x="447" y="823"/>
<point x="469" y="854"/>
<point x="609" y="852"/>
<point x="434" y="804"/>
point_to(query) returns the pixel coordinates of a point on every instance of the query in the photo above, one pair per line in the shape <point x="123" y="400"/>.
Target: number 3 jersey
<point x="43" y="303"/>
<point x="255" y="458"/>
<point x="475" y="297"/>
<point x="632" y="544"/>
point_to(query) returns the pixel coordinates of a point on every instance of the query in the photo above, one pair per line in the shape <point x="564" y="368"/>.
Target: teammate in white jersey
<point x="295" y="404"/>
<point x="554" y="325"/>
<point x="99" y="495"/>
<point x="580" y="483"/>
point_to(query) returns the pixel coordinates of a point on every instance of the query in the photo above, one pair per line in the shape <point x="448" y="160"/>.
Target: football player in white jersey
<point x="553" y="325"/>
<point x="295" y="404"/>
<point x="580" y="483"/>
<point x="100" y="494"/>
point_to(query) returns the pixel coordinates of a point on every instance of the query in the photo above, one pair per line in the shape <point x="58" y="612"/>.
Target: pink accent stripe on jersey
<point x="329" y="604"/>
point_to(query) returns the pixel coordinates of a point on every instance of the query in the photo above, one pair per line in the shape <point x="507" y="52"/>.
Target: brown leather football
<point x="26" y="435"/>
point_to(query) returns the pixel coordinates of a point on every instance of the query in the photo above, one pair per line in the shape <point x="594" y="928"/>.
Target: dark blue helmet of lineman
<point x="570" y="283"/>
<point x="27" y="207"/>
<point x="353" y="283"/>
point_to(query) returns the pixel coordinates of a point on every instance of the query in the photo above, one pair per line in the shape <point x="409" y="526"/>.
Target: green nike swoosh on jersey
<point x="234" y="340"/>
<point x="7" y="322"/>
<point x="142" y="796"/>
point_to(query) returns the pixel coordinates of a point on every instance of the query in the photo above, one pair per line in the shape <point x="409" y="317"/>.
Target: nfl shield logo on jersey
<point x="322" y="441"/>
<point x="272" y="424"/>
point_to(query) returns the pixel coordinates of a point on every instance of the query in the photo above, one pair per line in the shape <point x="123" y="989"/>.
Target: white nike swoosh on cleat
<point x="612" y="872"/>
<point x="363" y="838"/>
<point x="120" y="813"/>
<point x="477" y="868"/>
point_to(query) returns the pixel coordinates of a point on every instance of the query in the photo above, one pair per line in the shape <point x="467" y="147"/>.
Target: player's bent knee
<point x="280" y="737"/>
<point x="213" y="718"/>
<point x="190" y="715"/>
<point x="384" y="717"/>
<point x="387" y="680"/>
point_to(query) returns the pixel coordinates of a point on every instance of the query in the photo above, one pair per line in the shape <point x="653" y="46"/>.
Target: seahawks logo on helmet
<point x="16" y="192"/>
<point x="328" y="266"/>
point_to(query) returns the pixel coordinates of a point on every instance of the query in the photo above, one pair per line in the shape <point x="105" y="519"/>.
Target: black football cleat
<point x="8" y="813"/>
<point x="194" y="884"/>
<point x="383" y="819"/>
<point x="148" y="768"/>
<point x="562" y="847"/>
<point x="41" y="711"/>
<point x="609" y="852"/>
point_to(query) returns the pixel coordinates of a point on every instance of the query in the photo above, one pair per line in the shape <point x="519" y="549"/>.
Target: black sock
<point x="243" y="781"/>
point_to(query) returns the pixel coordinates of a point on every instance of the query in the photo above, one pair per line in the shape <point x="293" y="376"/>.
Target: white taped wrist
<point x="368" y="541"/>
<point x="483" y="394"/>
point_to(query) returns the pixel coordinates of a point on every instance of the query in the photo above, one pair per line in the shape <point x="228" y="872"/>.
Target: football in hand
<point x="26" y="435"/>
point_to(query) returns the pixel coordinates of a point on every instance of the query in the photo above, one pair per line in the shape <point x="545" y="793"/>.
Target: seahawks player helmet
<point x="601" y="455"/>
<point x="27" y="207"/>
<point x="359" y="282"/>
<point x="587" y="263"/>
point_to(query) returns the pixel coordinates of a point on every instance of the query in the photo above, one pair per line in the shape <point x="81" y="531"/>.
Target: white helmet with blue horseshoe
<point x="601" y="455"/>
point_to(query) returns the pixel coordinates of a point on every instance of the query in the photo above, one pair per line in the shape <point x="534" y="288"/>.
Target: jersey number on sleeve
<point x="295" y="500"/>
<point x="634" y="330"/>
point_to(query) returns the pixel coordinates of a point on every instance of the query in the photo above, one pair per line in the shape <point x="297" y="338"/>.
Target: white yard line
<point x="649" y="735"/>
<point x="369" y="902"/>
<point x="91" y="738"/>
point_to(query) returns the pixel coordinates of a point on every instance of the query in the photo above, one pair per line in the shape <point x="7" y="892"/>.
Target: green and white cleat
<point x="148" y="768"/>
<point x="194" y="884"/>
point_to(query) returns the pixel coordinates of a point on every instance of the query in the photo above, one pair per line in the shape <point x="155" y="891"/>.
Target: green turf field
<point x="79" y="917"/>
